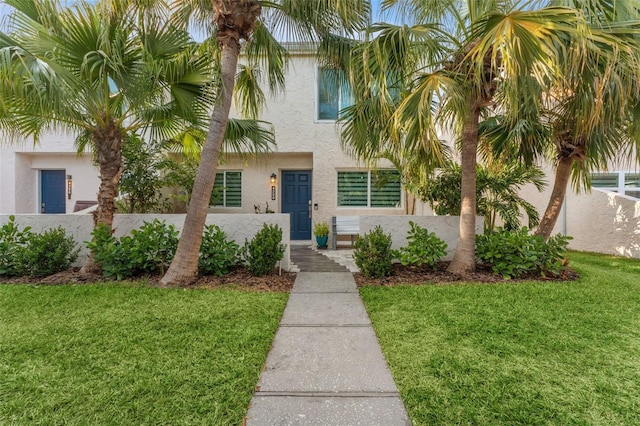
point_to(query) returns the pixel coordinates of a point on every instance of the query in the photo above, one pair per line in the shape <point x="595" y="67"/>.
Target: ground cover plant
<point x="517" y="352"/>
<point x="514" y="253"/>
<point x="131" y="354"/>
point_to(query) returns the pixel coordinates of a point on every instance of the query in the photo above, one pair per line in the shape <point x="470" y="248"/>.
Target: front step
<point x="308" y="260"/>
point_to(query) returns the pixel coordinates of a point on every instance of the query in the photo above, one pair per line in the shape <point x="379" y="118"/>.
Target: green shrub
<point x="12" y="245"/>
<point x="264" y="250"/>
<point x="217" y="254"/>
<point x="424" y="248"/>
<point x="516" y="253"/>
<point x="373" y="254"/>
<point x="49" y="252"/>
<point x="147" y="250"/>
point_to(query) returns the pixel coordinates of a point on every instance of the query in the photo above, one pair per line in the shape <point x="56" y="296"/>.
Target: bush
<point x="373" y="254"/>
<point x="264" y="250"/>
<point x="12" y="245"/>
<point x="147" y="250"/>
<point x="50" y="252"/>
<point x="516" y="253"/>
<point x="217" y="254"/>
<point x="424" y="248"/>
<point x="104" y="246"/>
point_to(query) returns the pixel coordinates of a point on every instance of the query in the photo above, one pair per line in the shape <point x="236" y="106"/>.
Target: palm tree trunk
<point x="464" y="260"/>
<point x="184" y="267"/>
<point x="548" y="222"/>
<point x="108" y="146"/>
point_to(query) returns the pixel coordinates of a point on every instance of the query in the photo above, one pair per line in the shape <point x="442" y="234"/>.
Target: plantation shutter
<point x="352" y="189"/>
<point x="233" y="189"/>
<point x="217" y="195"/>
<point x="227" y="190"/>
<point x="605" y="180"/>
<point x="385" y="188"/>
<point x="632" y="185"/>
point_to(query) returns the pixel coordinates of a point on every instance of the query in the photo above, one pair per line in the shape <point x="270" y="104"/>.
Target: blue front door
<point x="52" y="191"/>
<point x="296" y="200"/>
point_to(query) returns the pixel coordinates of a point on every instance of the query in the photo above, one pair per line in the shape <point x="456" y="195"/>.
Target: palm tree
<point x="457" y="62"/>
<point x="254" y="22"/>
<point x="102" y="72"/>
<point x="592" y="112"/>
<point x="588" y="114"/>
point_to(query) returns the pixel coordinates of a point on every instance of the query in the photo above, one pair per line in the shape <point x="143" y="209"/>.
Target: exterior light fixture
<point x="273" y="180"/>
<point x="69" y="186"/>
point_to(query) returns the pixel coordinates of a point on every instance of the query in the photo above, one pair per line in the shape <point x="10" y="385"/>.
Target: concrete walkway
<point x="326" y="366"/>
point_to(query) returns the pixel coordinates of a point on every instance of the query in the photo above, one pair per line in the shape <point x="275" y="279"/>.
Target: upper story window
<point x="380" y="188"/>
<point x="227" y="189"/>
<point x="334" y="94"/>
<point x="626" y="183"/>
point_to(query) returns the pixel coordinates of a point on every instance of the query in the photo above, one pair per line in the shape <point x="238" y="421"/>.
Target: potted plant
<point x="321" y="231"/>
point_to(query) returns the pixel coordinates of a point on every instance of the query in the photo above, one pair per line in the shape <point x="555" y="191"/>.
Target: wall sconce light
<point x="273" y="180"/>
<point x="69" y="186"/>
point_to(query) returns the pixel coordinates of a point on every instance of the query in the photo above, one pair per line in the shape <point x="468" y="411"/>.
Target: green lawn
<point x="517" y="353"/>
<point x="131" y="354"/>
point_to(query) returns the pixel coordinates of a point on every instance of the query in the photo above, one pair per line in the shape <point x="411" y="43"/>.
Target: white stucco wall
<point x="237" y="227"/>
<point x="599" y="221"/>
<point x="304" y="143"/>
<point x="20" y="165"/>
<point x="445" y="227"/>
<point x="604" y="222"/>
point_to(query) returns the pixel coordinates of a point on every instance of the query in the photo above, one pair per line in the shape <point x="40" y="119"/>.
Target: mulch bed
<point x="242" y="278"/>
<point x="238" y="278"/>
<point x="407" y="275"/>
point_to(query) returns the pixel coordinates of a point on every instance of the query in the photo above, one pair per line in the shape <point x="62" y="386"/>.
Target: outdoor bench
<point x="344" y="225"/>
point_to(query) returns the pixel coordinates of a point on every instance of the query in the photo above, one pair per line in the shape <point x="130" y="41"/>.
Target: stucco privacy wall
<point x="445" y="227"/>
<point x="599" y="221"/>
<point x="604" y="222"/>
<point x="238" y="227"/>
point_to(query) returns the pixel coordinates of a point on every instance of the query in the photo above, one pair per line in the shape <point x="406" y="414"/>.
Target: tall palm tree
<point x="101" y="72"/>
<point x="455" y="63"/>
<point x="592" y="111"/>
<point x="588" y="114"/>
<point x="257" y="23"/>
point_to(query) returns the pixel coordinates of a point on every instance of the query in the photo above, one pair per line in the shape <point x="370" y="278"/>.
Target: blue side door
<point x="296" y="200"/>
<point x="52" y="191"/>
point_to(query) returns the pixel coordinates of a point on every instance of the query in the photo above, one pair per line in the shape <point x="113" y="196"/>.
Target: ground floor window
<point x="227" y="189"/>
<point x="380" y="188"/>
<point x="626" y="183"/>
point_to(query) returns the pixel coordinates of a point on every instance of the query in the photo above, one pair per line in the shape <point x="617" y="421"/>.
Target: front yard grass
<point x="130" y="354"/>
<point x="517" y="353"/>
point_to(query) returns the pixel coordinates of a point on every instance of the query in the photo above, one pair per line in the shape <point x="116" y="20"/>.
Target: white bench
<point x="344" y="225"/>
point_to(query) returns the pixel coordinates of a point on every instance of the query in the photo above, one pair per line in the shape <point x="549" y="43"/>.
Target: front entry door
<point x="52" y="191"/>
<point x="296" y="200"/>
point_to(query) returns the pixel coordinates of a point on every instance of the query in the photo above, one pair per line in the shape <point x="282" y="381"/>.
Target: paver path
<point x="326" y="366"/>
<point x="309" y="260"/>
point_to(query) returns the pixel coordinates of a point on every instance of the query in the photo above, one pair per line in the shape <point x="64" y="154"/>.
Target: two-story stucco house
<point x="309" y="176"/>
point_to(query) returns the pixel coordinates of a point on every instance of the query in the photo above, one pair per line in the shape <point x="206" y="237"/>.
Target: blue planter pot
<point x="322" y="241"/>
